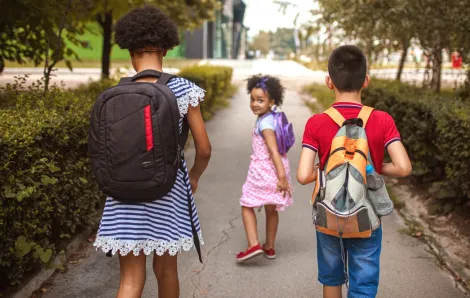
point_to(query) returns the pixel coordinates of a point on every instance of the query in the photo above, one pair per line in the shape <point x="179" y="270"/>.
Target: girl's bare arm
<point x="201" y="142"/>
<point x="271" y="143"/>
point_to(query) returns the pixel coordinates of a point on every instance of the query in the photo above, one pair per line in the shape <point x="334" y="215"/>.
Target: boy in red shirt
<point x="347" y="68"/>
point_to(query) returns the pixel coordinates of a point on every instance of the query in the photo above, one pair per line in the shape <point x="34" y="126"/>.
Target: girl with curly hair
<point x="268" y="182"/>
<point x="163" y="227"/>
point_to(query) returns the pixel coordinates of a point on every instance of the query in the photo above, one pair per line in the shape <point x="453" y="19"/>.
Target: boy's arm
<point x="307" y="171"/>
<point x="400" y="165"/>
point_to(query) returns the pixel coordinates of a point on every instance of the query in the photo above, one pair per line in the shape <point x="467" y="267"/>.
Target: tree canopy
<point x="28" y="29"/>
<point x="377" y="24"/>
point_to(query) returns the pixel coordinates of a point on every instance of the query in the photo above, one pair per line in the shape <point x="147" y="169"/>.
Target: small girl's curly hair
<point x="270" y="84"/>
<point x="146" y="27"/>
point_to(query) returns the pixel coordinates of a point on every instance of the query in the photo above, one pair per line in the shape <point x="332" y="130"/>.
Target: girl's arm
<point x="307" y="171"/>
<point x="202" y="144"/>
<point x="271" y="142"/>
<point x="400" y="165"/>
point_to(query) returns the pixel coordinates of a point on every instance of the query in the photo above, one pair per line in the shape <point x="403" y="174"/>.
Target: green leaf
<point x="23" y="247"/>
<point x="64" y="236"/>
<point x="53" y="168"/>
<point x="8" y="193"/>
<point x="69" y="64"/>
<point x="25" y="193"/>
<point x="46" y="180"/>
<point x="44" y="255"/>
<point x="83" y="180"/>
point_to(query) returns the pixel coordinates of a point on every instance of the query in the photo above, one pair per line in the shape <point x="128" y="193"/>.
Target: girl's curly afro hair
<point x="146" y="27"/>
<point x="271" y="84"/>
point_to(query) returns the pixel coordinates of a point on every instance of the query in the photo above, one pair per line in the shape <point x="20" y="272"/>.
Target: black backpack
<point x="134" y="139"/>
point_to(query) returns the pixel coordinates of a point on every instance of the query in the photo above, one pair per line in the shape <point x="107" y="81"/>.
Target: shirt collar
<point x="347" y="105"/>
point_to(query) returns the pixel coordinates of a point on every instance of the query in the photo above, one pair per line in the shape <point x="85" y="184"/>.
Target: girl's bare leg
<point x="251" y="228"/>
<point x="272" y="222"/>
<point x="132" y="275"/>
<point x="165" y="268"/>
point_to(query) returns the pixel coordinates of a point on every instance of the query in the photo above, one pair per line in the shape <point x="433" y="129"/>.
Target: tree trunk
<point x="406" y="46"/>
<point x="436" y="69"/>
<point x="106" y="23"/>
<point x="369" y="53"/>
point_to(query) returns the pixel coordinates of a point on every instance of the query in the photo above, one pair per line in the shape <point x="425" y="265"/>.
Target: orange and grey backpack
<point x="340" y="194"/>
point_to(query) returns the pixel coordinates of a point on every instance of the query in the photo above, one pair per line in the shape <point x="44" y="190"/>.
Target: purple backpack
<point x="284" y="131"/>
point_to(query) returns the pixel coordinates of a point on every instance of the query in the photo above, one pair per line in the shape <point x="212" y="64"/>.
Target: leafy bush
<point x="324" y="96"/>
<point x="216" y="80"/>
<point x="47" y="193"/>
<point x="435" y="131"/>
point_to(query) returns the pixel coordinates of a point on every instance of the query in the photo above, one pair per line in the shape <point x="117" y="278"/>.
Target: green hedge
<point x="435" y="131"/>
<point x="47" y="193"/>
<point x="216" y="80"/>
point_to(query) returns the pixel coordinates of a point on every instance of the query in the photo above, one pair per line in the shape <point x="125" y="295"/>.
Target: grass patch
<point x="396" y="201"/>
<point x="413" y="228"/>
<point x="408" y="66"/>
<point x="314" y="65"/>
<point x="324" y="96"/>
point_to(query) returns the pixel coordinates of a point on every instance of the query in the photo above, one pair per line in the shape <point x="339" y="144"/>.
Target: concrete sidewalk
<point x="407" y="270"/>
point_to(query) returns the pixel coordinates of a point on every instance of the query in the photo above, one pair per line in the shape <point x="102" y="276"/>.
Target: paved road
<point x="407" y="270"/>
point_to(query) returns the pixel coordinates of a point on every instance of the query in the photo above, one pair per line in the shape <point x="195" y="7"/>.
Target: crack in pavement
<point x="223" y="239"/>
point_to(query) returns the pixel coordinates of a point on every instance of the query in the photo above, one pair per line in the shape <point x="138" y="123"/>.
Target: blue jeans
<point x="362" y="258"/>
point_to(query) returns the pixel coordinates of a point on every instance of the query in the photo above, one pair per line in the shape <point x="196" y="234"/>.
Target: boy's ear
<point x="366" y="82"/>
<point x="132" y="54"/>
<point x="329" y="83"/>
<point x="165" y="52"/>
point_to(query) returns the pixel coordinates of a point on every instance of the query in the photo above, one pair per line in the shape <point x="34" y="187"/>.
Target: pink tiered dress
<point x="260" y="187"/>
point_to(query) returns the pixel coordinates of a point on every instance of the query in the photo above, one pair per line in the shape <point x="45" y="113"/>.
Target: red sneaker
<point x="249" y="253"/>
<point x="269" y="253"/>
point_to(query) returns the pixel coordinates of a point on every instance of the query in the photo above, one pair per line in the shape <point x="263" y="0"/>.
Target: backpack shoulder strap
<point x="364" y="114"/>
<point x="165" y="78"/>
<point x="335" y="116"/>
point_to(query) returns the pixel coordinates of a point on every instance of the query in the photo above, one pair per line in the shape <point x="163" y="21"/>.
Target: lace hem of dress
<point x="193" y="98"/>
<point x="124" y="247"/>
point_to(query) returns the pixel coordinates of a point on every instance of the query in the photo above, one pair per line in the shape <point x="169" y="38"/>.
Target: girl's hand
<point x="194" y="182"/>
<point x="283" y="187"/>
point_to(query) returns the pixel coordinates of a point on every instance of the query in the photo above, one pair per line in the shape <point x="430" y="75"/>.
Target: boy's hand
<point x="283" y="187"/>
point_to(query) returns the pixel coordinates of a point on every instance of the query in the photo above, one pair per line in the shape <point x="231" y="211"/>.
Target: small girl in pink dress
<point x="268" y="181"/>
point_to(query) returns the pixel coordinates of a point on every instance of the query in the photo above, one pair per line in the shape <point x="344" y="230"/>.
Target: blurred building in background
<point x="223" y="38"/>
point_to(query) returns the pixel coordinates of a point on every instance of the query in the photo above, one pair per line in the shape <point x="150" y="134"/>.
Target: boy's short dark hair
<point x="347" y="66"/>
<point x="146" y="27"/>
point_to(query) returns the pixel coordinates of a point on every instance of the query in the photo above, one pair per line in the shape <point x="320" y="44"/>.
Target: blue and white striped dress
<point x="164" y="224"/>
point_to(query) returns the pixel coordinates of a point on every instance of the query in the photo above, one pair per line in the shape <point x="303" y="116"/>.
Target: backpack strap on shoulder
<point x="163" y="78"/>
<point x="335" y="116"/>
<point x="364" y="114"/>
